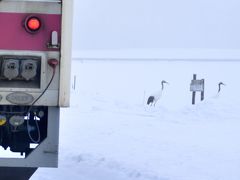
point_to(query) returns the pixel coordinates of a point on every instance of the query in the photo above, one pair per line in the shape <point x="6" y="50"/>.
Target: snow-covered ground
<point x="109" y="133"/>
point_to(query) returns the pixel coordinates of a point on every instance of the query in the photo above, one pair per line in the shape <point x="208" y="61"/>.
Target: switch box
<point x="28" y="69"/>
<point x="10" y="68"/>
<point x="20" y="71"/>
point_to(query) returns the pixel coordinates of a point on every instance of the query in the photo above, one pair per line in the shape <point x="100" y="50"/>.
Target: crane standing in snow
<point x="152" y="99"/>
<point x="219" y="86"/>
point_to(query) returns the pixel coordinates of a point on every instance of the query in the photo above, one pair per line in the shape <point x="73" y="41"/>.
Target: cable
<point x="52" y="63"/>
<point x="30" y="108"/>
<point x="38" y="130"/>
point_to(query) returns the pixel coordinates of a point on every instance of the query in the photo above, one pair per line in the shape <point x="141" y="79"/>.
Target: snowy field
<point x="109" y="133"/>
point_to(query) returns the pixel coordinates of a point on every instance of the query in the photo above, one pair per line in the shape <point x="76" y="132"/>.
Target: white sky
<point x="124" y="24"/>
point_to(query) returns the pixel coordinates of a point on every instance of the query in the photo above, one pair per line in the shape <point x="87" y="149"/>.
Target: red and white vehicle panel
<point x="35" y="69"/>
<point x="35" y="29"/>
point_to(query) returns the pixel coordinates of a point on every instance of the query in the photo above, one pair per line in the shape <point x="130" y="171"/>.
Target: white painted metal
<point x="29" y="7"/>
<point x="50" y="97"/>
<point x="52" y="1"/>
<point x="66" y="55"/>
<point x="54" y="39"/>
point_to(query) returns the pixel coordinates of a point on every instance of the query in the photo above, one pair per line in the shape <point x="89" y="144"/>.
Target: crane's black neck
<point x="162" y="85"/>
<point x="219" y="87"/>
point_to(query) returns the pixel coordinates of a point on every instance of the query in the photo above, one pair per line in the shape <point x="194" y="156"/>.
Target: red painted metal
<point x="13" y="35"/>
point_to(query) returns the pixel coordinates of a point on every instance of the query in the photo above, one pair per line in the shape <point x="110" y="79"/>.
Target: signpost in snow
<point x="197" y="85"/>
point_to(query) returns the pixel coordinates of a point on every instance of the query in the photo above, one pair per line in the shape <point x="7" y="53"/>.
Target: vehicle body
<point x="35" y="65"/>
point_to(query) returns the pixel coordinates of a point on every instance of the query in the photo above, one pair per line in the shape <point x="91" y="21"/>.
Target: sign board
<point x="197" y="85"/>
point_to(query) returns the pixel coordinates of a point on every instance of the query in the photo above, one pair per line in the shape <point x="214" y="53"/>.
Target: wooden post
<point x="74" y="82"/>
<point x="194" y="92"/>
<point x="202" y="92"/>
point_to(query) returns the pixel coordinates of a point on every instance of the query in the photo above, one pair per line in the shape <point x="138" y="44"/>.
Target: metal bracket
<point x="54" y="41"/>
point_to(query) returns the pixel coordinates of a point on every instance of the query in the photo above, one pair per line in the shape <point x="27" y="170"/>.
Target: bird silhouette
<point x="219" y="86"/>
<point x="153" y="98"/>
